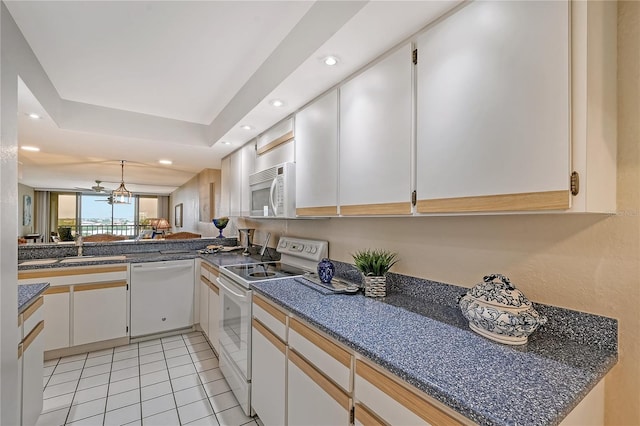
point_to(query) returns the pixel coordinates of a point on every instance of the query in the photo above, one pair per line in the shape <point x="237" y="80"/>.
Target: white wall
<point x="189" y="195"/>
<point x="8" y="226"/>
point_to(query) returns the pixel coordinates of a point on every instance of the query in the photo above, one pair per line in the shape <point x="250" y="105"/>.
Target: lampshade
<point x="121" y="195"/>
<point x="160" y="224"/>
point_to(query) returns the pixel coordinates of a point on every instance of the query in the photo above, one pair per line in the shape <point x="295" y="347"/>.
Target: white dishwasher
<point x="161" y="296"/>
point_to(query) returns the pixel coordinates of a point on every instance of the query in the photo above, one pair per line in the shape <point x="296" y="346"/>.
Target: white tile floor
<point x="164" y="382"/>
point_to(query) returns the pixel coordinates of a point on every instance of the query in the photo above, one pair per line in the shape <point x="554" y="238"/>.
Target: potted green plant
<point x="374" y="265"/>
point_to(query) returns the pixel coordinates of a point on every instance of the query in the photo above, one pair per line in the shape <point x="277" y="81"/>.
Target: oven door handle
<point x="229" y="290"/>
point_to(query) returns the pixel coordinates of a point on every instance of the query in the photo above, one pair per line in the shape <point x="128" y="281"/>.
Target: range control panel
<point x="294" y="250"/>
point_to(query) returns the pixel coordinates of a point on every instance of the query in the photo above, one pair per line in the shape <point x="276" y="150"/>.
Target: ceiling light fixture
<point x="165" y="162"/>
<point x="225" y="143"/>
<point x="246" y="127"/>
<point x="34" y="116"/>
<point x="30" y="148"/>
<point x="330" y="60"/>
<point x="277" y="103"/>
<point x="121" y="195"/>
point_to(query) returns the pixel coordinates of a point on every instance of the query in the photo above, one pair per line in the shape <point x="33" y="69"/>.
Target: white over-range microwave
<point x="273" y="191"/>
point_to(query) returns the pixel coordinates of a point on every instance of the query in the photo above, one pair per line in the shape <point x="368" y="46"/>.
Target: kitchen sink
<point x="81" y="259"/>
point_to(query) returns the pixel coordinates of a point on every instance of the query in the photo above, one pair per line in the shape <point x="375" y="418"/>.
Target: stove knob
<point x="314" y="249"/>
<point x="308" y="249"/>
<point x="283" y="244"/>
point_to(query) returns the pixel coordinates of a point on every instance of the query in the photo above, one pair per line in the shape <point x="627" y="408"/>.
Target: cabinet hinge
<point x="575" y="183"/>
<point x="414" y="198"/>
<point x="414" y="56"/>
<point x="127" y="287"/>
<point x="127" y="329"/>
<point x="352" y="416"/>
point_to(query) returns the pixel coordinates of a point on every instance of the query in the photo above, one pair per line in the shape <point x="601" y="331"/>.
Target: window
<point x="89" y="214"/>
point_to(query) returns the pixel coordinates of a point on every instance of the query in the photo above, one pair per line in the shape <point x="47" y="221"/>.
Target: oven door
<point x="235" y="340"/>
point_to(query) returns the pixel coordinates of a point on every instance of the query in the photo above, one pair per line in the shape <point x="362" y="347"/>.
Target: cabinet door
<point x="99" y="312"/>
<point x="493" y="109"/>
<point x="204" y="307"/>
<point x="268" y="375"/>
<point x="214" y="316"/>
<point x="375" y="138"/>
<point x="32" y="373"/>
<point x="317" y="157"/>
<point x="248" y="167"/>
<point x="56" y="316"/>
<point x="225" y="187"/>
<point x="312" y="398"/>
<point x="393" y="403"/>
<point x="235" y="183"/>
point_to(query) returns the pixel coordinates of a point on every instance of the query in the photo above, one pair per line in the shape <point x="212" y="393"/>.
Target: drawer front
<point x="274" y="319"/>
<point x="85" y="275"/>
<point x="33" y="315"/>
<point x="395" y="403"/>
<point x="363" y="416"/>
<point x="211" y="271"/>
<point x="331" y="359"/>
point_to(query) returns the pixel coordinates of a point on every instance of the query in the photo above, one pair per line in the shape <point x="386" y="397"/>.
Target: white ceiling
<point x="200" y="68"/>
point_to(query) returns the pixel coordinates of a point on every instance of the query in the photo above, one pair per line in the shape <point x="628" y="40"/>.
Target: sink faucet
<point x="79" y="244"/>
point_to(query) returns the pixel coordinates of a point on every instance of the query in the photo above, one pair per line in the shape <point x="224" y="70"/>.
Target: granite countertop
<point x="430" y="346"/>
<point x="27" y="293"/>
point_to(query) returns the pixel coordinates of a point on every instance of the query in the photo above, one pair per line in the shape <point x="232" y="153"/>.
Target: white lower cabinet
<point x="57" y="305"/>
<point x="31" y="362"/>
<point x="204" y="306"/>
<point x="386" y="401"/>
<point x="312" y="399"/>
<point x="82" y="305"/>
<point x="268" y="375"/>
<point x="214" y="316"/>
<point x="99" y="312"/>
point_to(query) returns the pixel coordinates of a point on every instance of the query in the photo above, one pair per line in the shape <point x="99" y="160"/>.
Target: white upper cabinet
<point x="375" y="138"/>
<point x="493" y="98"/>
<point x="225" y="189"/>
<point x="235" y="179"/>
<point x="275" y="146"/>
<point x="316" y="131"/>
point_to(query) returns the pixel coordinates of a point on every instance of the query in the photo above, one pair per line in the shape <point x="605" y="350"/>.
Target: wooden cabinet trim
<point x="212" y="269"/>
<point x="334" y="391"/>
<point x="26" y="314"/>
<point x="404" y="396"/>
<point x="317" y="211"/>
<point x="272" y="310"/>
<point x="99" y="286"/>
<point x="20" y="351"/>
<point x="367" y="417"/>
<point x="282" y="347"/>
<point x="276" y="142"/>
<point x="341" y="355"/>
<point x="376" y="209"/>
<point x="210" y="284"/>
<point x="26" y="342"/>
<point x="550" y="200"/>
<point x="57" y="289"/>
<point x="65" y="272"/>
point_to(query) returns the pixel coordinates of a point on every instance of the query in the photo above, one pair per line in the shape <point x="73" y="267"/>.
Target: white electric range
<point x="297" y="256"/>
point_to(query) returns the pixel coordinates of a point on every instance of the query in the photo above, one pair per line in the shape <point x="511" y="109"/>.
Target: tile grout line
<point x="200" y="378"/>
<point x="86" y="356"/>
<point x="164" y="356"/>
<point x="106" y="400"/>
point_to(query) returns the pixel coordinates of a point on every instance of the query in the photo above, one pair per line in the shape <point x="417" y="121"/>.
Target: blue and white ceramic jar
<point x="498" y="311"/>
<point x="326" y="270"/>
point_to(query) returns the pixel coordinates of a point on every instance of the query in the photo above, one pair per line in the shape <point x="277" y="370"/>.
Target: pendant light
<point x="121" y="195"/>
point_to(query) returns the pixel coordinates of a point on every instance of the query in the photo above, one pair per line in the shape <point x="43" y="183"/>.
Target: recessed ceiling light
<point x="246" y="127"/>
<point x="277" y="103"/>
<point x="34" y="116"/>
<point x="30" y="148"/>
<point x="225" y="143"/>
<point x="165" y="162"/>
<point x="330" y="60"/>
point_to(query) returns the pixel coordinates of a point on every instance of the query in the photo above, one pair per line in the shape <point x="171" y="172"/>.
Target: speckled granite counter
<point x="27" y="293"/>
<point x="429" y="345"/>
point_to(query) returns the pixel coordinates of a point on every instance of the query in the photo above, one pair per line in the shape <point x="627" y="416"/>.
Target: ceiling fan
<point x="109" y="200"/>
<point x="95" y="188"/>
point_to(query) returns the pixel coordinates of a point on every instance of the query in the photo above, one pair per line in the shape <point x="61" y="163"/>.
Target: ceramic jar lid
<point x="499" y="293"/>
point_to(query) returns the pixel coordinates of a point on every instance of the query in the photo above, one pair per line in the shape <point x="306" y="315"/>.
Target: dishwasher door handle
<point x="158" y="268"/>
